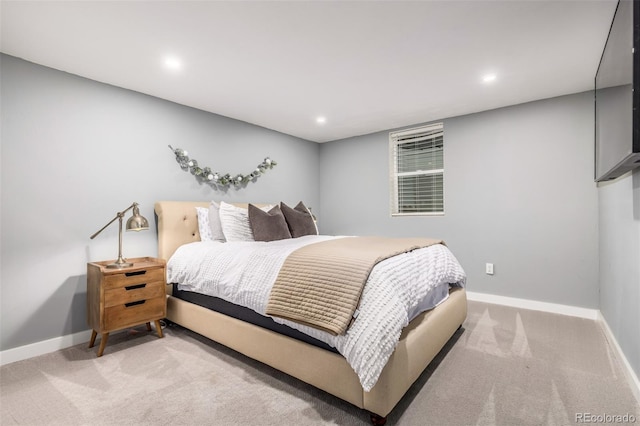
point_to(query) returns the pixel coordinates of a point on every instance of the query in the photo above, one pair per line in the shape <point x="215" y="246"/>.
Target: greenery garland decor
<point x="224" y="180"/>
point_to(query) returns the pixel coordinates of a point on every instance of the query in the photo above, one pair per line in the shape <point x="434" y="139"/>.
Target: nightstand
<point x="119" y="298"/>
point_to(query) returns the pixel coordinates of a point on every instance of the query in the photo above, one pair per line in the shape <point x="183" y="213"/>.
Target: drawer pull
<point x="130" y="304"/>
<point x="131" y="274"/>
<point x="134" y="287"/>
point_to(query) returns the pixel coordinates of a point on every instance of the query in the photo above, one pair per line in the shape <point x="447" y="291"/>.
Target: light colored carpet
<point x="506" y="366"/>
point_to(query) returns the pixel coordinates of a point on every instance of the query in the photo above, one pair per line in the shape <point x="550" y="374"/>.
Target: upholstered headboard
<point x="178" y="224"/>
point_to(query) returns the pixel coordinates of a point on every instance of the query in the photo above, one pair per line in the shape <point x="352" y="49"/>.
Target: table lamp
<point x="137" y="222"/>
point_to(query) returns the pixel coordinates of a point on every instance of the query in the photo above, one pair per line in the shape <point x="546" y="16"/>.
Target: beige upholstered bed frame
<point x="420" y="341"/>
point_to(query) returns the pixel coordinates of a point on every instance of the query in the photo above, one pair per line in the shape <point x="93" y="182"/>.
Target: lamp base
<point x="119" y="265"/>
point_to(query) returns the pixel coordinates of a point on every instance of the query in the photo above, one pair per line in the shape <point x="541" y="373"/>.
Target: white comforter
<point x="397" y="290"/>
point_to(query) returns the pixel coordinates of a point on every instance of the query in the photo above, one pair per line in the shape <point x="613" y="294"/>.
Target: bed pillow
<point x="214" y="222"/>
<point x="268" y="226"/>
<point x="235" y="222"/>
<point x="299" y="220"/>
<point x="203" y="224"/>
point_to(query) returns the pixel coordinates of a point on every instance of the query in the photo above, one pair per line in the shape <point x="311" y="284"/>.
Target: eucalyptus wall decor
<point x="206" y="174"/>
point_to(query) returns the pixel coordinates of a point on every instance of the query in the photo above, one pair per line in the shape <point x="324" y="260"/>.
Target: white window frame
<point x="404" y="136"/>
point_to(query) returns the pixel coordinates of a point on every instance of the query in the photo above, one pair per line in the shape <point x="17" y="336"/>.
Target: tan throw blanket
<point x="320" y="285"/>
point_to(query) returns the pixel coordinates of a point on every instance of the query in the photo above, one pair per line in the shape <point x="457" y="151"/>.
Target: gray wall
<point x="75" y="152"/>
<point x="519" y="193"/>
<point x="619" y="205"/>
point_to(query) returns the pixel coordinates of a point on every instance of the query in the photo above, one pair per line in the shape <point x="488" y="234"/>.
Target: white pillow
<point x="203" y="224"/>
<point x="214" y="222"/>
<point x="235" y="222"/>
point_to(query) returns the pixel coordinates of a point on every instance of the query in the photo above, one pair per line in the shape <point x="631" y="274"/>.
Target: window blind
<point x="417" y="170"/>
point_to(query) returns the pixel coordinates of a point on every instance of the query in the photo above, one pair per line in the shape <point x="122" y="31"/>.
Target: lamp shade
<point x="137" y="222"/>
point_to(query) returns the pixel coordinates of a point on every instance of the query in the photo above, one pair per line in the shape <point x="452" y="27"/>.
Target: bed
<point x="419" y="342"/>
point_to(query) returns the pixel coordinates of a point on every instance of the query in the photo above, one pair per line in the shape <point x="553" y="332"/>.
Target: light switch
<point x="489" y="268"/>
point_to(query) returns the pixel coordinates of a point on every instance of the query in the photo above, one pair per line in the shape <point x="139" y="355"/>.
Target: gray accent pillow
<point x="214" y="222"/>
<point x="268" y="226"/>
<point x="299" y="220"/>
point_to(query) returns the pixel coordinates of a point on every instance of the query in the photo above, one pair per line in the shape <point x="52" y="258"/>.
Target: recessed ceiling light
<point x="172" y="63"/>
<point x="489" y="78"/>
<point x="321" y="120"/>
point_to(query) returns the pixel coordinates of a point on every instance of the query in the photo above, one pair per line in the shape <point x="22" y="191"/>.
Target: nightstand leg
<point x="148" y="326"/>
<point x="93" y="338"/>
<point x="103" y="343"/>
<point x="158" y="328"/>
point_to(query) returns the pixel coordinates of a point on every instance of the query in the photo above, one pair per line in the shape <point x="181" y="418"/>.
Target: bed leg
<point x="377" y="420"/>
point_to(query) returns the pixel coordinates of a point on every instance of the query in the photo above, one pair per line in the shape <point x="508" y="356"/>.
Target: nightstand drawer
<point x="126" y="279"/>
<point x="133" y="313"/>
<point x="133" y="293"/>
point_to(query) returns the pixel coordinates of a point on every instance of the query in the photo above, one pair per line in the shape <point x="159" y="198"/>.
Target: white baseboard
<point x="593" y="314"/>
<point x="57" y="343"/>
<point x="44" y="347"/>
<point x="632" y="377"/>
<point x="553" y="308"/>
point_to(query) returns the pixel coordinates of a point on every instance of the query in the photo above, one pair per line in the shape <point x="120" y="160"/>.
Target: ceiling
<point x="365" y="66"/>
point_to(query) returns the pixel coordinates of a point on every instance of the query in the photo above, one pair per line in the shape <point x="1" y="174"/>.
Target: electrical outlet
<point x="489" y="269"/>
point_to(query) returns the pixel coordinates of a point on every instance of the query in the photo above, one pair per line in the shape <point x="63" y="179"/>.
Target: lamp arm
<point x="119" y="215"/>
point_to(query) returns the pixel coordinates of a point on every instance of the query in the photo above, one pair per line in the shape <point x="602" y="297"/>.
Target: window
<point x="417" y="171"/>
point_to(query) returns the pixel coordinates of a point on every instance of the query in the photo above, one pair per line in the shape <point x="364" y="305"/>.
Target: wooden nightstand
<point x="119" y="298"/>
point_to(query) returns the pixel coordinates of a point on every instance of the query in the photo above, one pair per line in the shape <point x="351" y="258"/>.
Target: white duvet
<point x="398" y="289"/>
